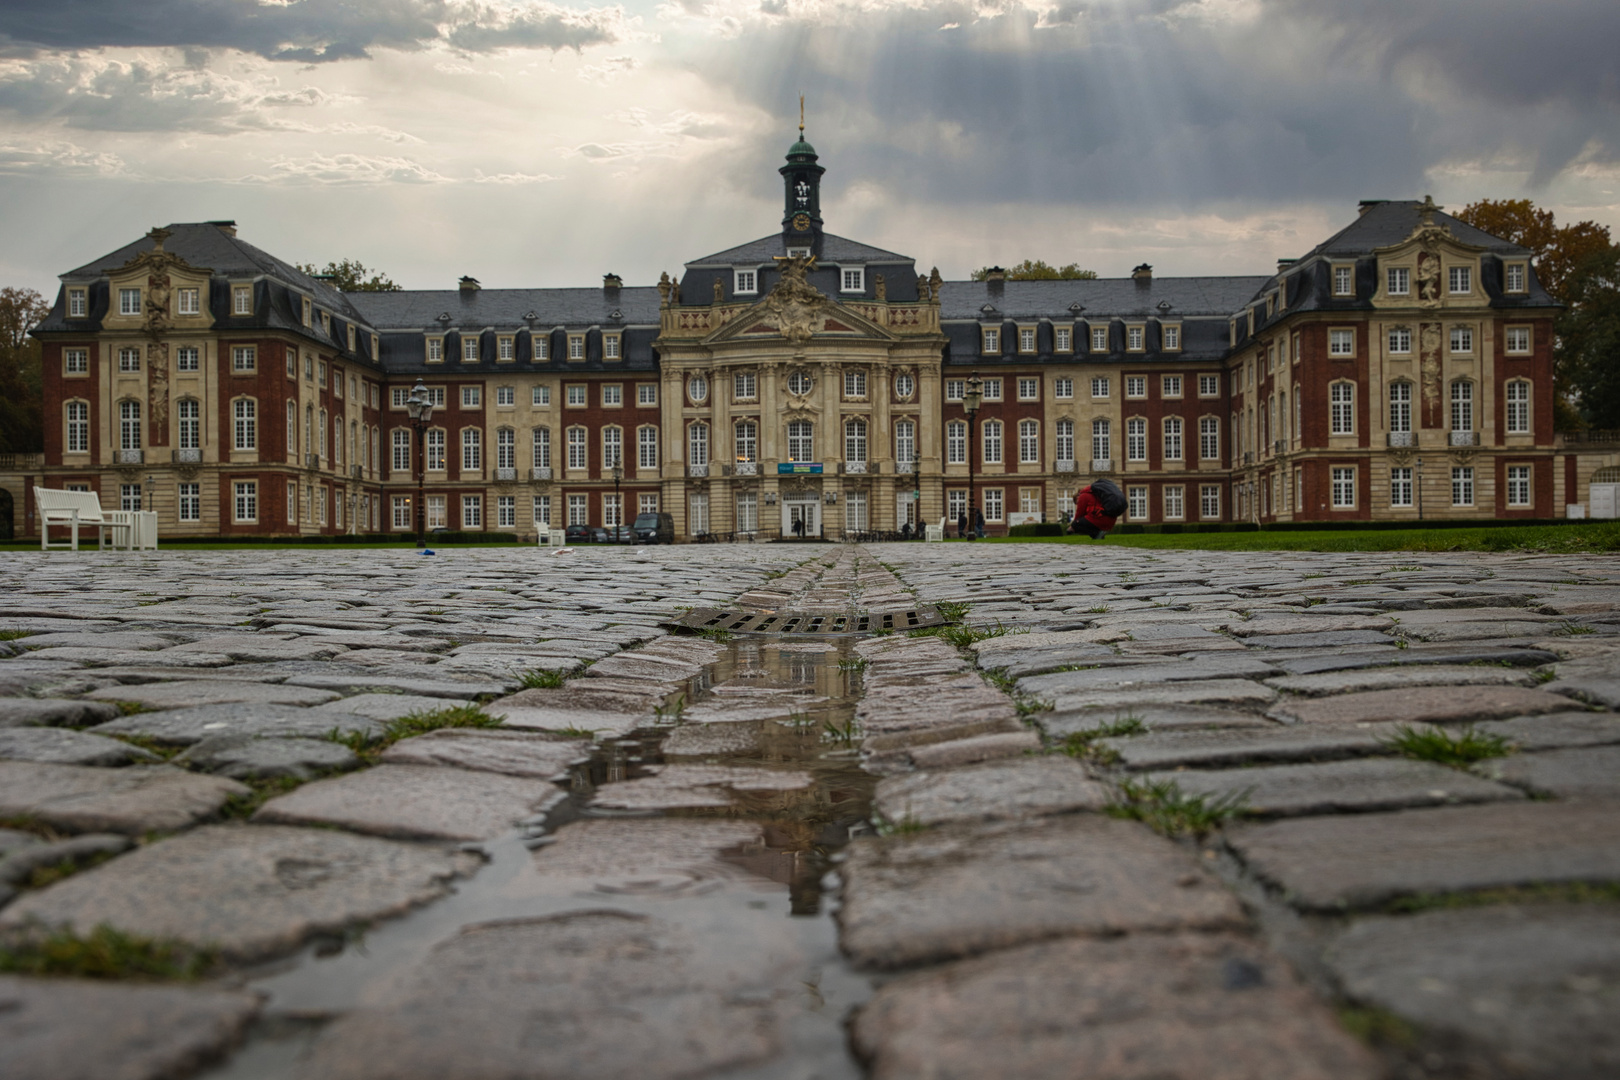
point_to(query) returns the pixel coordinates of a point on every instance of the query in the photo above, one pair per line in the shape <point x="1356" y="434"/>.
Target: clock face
<point x="801" y="222"/>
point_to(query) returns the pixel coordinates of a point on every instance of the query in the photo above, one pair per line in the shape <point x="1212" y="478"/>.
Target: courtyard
<point x="962" y="810"/>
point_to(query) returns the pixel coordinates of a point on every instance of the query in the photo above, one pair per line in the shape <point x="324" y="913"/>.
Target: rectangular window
<point x="1344" y="281"/>
<point x="436" y="512"/>
<point x="856" y="519"/>
<point x="647" y="394"/>
<point x="1515" y="277"/>
<point x="1133" y="338"/>
<point x="612" y="394"/>
<point x="1029" y="442"/>
<point x="697" y="521"/>
<point x="748" y="512"/>
<point x="541" y="439"/>
<point x="1172" y="438"/>
<point x="991" y="340"/>
<point x="955" y="505"/>
<point x="1063" y="339"/>
<point x="1341" y="342"/>
<point x="402" y="512"/>
<point x="472" y="397"/>
<point x="244" y="358"/>
<point x="506" y="511"/>
<point x="1064" y="431"/>
<point x="1462" y="340"/>
<point x="1518" y="340"/>
<point x="955" y="443"/>
<point x="576" y="396"/>
<point x="991" y="442"/>
<point x="78" y="304"/>
<point x="744" y="387"/>
<point x="472" y="511"/>
<point x="1400" y="486"/>
<point x="1344" y="489"/>
<point x="505" y="349"/>
<point x="1518" y="485"/>
<point x="854" y="384"/>
<point x="697" y="444"/>
<point x="1102" y="441"/>
<point x="1518" y="408"/>
<point x="579" y="510"/>
<point x="854" y="280"/>
<point x="186" y="358"/>
<point x="1026" y="339"/>
<point x="1029" y="389"/>
<point x="1172" y="338"/>
<point x="1461" y="279"/>
<point x="129" y="496"/>
<point x="1400" y="340"/>
<point x="1400" y="408"/>
<point x="647" y="448"/>
<point x="1135" y="386"/>
<point x="435" y="350"/>
<point x="1136" y="503"/>
<point x="576" y="346"/>
<point x="1209" y="386"/>
<point x="612" y="510"/>
<point x="129" y="301"/>
<point x="612" y="447"/>
<point x="1462" y="485"/>
<point x="1170" y="386"/>
<point x="542" y="511"/>
<point x="1174" y="502"/>
<point x="993" y="505"/>
<point x="1399" y="280"/>
<point x="401" y="450"/>
<point x="745" y="282"/>
<point x="1209" y="501"/>
<point x="905" y="442"/>
<point x="505" y="395"/>
<point x="435" y="450"/>
<point x="1099" y="339"/>
<point x="189" y="498"/>
<point x="1342" y="408"/>
<point x="991" y="389"/>
<point x="246" y="508"/>
<point x="540" y="395"/>
<point x="578" y="448"/>
<point x="129" y="425"/>
<point x="76" y="361"/>
<point x="187" y="302"/>
<point x="244" y="415"/>
<point x="1136" y="439"/>
<point x="1209" y="438"/>
<point x="954" y="389"/>
<point x="1100" y="386"/>
<point x="648" y="503"/>
<point x="1063" y="389"/>
<point x="242" y="300"/>
<point x="542" y="346"/>
<point x="746" y="443"/>
<point x="129" y="359"/>
<point x="1462" y="405"/>
<point x="610" y="346"/>
<point x="469" y="349"/>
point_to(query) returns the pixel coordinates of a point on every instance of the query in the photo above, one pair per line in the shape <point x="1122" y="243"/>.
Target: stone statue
<point x="1428" y="275"/>
<point x="922" y="287"/>
<point x="663" y="289"/>
<point x="934" y="282"/>
<point x="1430" y="373"/>
<point x="794" y="301"/>
<point x="719" y="290"/>
<point x="881" y="287"/>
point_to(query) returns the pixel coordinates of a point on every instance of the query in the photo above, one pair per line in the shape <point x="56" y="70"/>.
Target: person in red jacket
<point x="1089" y="517"/>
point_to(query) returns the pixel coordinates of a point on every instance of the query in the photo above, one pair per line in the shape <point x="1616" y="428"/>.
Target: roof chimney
<point x="611" y="281"/>
<point x="469" y="285"/>
<point x="995" y="273"/>
<point x="226" y="227"/>
<point x="1143" y="275"/>
<point x="1285" y="265"/>
<point x="1367" y="204"/>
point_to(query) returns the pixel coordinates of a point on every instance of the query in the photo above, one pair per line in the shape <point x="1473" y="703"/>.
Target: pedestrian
<point x="978" y="522"/>
<point x="961" y="525"/>
<point x="1096" y="508"/>
<point x="798" y="527"/>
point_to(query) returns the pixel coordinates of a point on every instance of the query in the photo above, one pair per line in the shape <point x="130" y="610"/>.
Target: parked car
<point x="579" y="534"/>
<point x="654" y="529"/>
<point x="621" y="534"/>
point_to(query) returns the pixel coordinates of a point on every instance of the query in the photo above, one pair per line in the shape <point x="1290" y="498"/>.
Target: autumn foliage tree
<point x="351" y="275"/>
<point x="1039" y="270"/>
<point x="21" y="392"/>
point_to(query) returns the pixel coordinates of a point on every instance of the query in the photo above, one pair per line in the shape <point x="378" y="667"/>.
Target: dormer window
<point x="505" y="349"/>
<point x="1099" y="339"/>
<point x="351" y="339"/>
<point x="187" y="302"/>
<point x="1461" y="280"/>
<point x="1172" y="338"/>
<point x="854" y="280"/>
<point x="576" y="346"/>
<point x="241" y="300"/>
<point x="1344" y="281"/>
<point x="991" y="340"/>
<point x="1026" y="339"/>
<point x="469" y="349"/>
<point x="1133" y="338"/>
<point x="1514" y="278"/>
<point x="129" y="301"/>
<point x="435" y="350"/>
<point x="308" y="312"/>
<point x="1399" y="281"/>
<point x="746" y="282"/>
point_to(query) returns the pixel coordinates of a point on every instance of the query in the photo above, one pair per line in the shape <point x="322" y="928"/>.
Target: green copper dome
<point x="801" y="149"/>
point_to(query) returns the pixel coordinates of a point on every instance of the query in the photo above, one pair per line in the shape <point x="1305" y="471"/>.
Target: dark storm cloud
<point x="1172" y="105"/>
<point x="309" y="31"/>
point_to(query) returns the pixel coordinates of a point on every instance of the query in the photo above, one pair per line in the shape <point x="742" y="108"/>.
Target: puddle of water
<point x="795" y="705"/>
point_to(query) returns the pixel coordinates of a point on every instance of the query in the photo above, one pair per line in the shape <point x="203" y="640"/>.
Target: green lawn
<point x="1554" y="539"/>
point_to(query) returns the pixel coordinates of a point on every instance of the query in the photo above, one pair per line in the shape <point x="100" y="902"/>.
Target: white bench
<point x="935" y="533"/>
<point x="73" y="509"/>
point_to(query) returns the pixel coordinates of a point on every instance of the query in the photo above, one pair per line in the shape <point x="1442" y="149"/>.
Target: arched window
<point x="505" y="448"/>
<point x="1172" y="438"/>
<point x="1065" y="440"/>
<point x="129" y="425"/>
<point x="1209" y="438"/>
<point x="990" y="442"/>
<point x="1462" y="405"/>
<point x="542" y="448"/>
<point x="955" y="443"/>
<point x="1102" y="439"/>
<point x="905" y="442"/>
<point x="188" y="423"/>
<point x="801" y="440"/>
<point x="320" y="433"/>
<point x="76" y="436"/>
<point x="697" y="444"/>
<point x="855" y="440"/>
<point x="245" y="424"/>
<point x="472" y="449"/>
<point x="1518" y="407"/>
<point x="1136" y="439"/>
<point x="747" y="441"/>
<point x="612" y="447"/>
<point x="647" y="447"/>
<point x="1029" y="442"/>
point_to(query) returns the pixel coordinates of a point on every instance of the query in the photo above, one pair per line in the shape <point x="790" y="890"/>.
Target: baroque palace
<point x="1402" y="369"/>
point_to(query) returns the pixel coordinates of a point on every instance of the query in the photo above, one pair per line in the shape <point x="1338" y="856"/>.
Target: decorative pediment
<point x="158" y="265"/>
<point x="798" y="311"/>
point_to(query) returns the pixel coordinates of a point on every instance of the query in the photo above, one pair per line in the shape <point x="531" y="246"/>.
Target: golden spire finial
<point x="801" y="117"/>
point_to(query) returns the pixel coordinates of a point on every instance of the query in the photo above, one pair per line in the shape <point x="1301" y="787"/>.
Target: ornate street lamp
<point x="420" y="407"/>
<point x="970" y="406"/>
<point x="1419" y="476"/>
<point x="618" y="474"/>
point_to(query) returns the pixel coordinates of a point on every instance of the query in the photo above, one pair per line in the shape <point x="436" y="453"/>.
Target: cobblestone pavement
<point x="1171" y="815"/>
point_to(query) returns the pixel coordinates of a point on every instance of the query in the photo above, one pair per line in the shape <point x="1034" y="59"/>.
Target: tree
<point x="1588" y="333"/>
<point x="1556" y="252"/>
<point x="351" y="275"/>
<point x="21" y="390"/>
<point x="1039" y="270"/>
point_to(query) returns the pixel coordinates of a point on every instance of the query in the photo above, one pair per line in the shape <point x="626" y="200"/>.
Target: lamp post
<point x="618" y="474"/>
<point x="971" y="400"/>
<point x="1419" y="478"/>
<point x="420" y="408"/>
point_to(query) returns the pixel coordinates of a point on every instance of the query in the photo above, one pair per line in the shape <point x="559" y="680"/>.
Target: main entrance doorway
<point x="801" y="516"/>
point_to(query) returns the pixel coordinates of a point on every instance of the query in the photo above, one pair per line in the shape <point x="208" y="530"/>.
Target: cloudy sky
<point x="532" y="143"/>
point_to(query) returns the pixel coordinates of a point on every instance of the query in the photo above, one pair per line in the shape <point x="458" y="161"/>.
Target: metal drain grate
<point x="804" y="622"/>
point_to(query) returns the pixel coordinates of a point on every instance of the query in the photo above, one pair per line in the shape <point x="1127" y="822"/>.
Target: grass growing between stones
<point x="150" y="745"/>
<point x="1079" y="743"/>
<point x="1167" y="810"/>
<point x="28" y="824"/>
<point x="264" y="788"/>
<point x="1558" y="892"/>
<point x="14" y="635"/>
<point x="1378" y="1027"/>
<point x="539" y="679"/>
<point x="50" y="875"/>
<point x="367" y="747"/>
<point x="1443" y="748"/>
<point x="105" y="953"/>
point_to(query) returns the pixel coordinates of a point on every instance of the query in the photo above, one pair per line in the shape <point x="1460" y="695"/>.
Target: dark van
<point x="654" y="529"/>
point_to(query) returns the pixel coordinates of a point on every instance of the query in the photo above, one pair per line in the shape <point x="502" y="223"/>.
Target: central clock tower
<point x="801" y="183"/>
